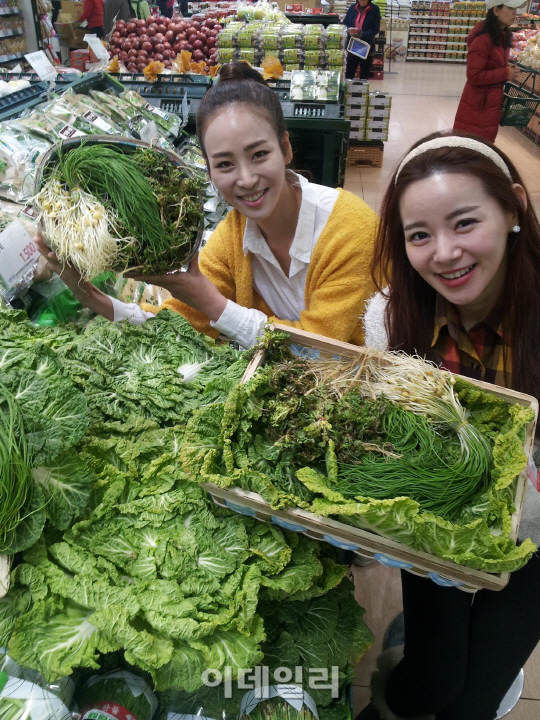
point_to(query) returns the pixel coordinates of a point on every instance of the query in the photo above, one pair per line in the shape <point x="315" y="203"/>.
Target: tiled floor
<point x="425" y="99"/>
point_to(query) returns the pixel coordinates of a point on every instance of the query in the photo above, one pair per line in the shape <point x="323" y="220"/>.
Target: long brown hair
<point x="410" y="311"/>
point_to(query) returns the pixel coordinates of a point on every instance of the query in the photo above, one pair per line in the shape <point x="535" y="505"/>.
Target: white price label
<point x="42" y="65"/>
<point x="99" y="122"/>
<point x="17" y="253"/>
<point x="97" y="47"/>
<point x="149" y="132"/>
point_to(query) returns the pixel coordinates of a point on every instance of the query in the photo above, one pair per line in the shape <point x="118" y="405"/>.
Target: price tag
<point x="17" y="253"/>
<point x="42" y="65"/>
<point x="97" y="47"/>
<point x="149" y="132"/>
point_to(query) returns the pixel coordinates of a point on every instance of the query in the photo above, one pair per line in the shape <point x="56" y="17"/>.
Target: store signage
<point x="42" y="65"/>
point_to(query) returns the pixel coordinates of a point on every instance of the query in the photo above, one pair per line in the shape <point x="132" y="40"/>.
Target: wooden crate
<point x="368" y="152"/>
<point x="388" y="552"/>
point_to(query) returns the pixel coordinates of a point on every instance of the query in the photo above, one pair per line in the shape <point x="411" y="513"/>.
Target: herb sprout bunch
<point x="104" y="209"/>
<point x="79" y="229"/>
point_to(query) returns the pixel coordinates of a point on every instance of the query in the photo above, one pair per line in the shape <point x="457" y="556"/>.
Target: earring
<point x="516" y="229"/>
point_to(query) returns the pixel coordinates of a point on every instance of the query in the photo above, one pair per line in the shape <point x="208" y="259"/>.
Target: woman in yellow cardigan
<point x="290" y="251"/>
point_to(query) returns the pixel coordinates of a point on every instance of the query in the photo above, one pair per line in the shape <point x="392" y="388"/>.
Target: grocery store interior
<point x="125" y="586"/>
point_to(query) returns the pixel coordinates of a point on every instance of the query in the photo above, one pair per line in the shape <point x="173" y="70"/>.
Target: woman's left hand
<point x="190" y="287"/>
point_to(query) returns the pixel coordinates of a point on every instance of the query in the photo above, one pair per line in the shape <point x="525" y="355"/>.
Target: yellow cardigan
<point x="338" y="282"/>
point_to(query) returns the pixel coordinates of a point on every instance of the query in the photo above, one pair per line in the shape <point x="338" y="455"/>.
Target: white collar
<point x="302" y="245"/>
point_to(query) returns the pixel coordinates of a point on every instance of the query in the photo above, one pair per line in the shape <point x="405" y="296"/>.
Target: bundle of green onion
<point x="438" y="458"/>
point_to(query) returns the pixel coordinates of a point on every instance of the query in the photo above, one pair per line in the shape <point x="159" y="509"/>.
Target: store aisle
<point x="425" y="99"/>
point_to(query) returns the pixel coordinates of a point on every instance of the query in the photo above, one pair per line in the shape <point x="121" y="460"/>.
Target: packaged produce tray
<point x="387" y="552"/>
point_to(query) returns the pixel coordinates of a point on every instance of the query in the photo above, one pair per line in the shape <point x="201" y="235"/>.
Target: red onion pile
<point x="138" y="42"/>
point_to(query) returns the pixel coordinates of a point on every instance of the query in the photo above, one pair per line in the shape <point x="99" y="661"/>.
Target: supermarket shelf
<point x="9" y="58"/>
<point x="442" y="17"/>
<point x="10" y="33"/>
<point x="456" y="35"/>
<point x="452" y="60"/>
<point x="434" y="42"/>
<point x="10" y="11"/>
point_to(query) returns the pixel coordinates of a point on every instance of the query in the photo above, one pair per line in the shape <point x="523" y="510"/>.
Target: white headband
<point x="456" y="141"/>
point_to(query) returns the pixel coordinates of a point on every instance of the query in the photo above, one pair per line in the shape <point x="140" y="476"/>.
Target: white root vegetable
<point x="79" y="229"/>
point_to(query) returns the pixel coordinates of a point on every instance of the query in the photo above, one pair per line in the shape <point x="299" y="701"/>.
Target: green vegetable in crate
<point x="104" y="209"/>
<point x="121" y="688"/>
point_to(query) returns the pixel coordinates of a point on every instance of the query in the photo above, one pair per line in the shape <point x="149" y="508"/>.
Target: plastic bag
<point x="272" y="68"/>
<point x="122" y="690"/>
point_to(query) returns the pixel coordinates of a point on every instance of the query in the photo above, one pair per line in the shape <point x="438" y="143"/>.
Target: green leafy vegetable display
<point x="159" y="370"/>
<point x="156" y="571"/>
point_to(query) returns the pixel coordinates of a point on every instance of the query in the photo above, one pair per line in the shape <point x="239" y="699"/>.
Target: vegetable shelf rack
<point x="346" y="537"/>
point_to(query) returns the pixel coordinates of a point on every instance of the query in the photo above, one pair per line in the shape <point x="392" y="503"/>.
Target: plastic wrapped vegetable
<point x="278" y="702"/>
<point x="122" y="690"/>
<point x="24" y="700"/>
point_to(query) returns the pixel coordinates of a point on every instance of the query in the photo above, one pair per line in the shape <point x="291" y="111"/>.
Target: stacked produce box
<point x="369" y="112"/>
<point x="296" y="46"/>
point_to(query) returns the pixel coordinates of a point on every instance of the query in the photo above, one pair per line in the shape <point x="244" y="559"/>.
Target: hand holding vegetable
<point x="190" y="287"/>
<point x="84" y="291"/>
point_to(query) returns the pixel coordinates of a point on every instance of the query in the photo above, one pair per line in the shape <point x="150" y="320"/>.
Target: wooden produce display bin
<point x="365" y="543"/>
<point x="365" y="153"/>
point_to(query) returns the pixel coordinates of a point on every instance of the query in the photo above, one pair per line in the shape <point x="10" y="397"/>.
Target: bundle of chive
<point x="102" y="208"/>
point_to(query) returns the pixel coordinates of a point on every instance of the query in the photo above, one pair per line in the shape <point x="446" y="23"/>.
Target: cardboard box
<point x="372" y="124"/>
<point x="378" y="112"/>
<point x="79" y="59"/>
<point x="357" y="134"/>
<point x="376" y="134"/>
<point x="357" y="100"/>
<point x="380" y="99"/>
<point x="71" y="11"/>
<point x="356" y="111"/>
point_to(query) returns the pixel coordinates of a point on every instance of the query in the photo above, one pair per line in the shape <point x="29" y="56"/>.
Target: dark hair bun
<point x="239" y="70"/>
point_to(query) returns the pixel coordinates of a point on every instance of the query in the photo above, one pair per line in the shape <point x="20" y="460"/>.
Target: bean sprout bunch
<point x="79" y="229"/>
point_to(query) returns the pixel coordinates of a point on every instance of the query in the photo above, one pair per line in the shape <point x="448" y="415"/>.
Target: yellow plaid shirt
<point x="479" y="353"/>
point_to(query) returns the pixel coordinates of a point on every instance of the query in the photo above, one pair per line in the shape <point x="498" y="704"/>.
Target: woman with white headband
<point x="488" y="50"/>
<point x="461" y="243"/>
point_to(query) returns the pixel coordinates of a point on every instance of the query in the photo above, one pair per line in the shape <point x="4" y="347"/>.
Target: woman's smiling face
<point x="456" y="237"/>
<point x="247" y="161"/>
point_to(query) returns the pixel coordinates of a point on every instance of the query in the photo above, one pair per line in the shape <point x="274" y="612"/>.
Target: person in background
<point x="116" y="10"/>
<point x="93" y="14"/>
<point x="56" y="7"/>
<point x="141" y="8"/>
<point x="462" y="241"/>
<point x="166" y="7"/>
<point x="184" y="7"/>
<point x="289" y="251"/>
<point x="363" y="19"/>
<point x="489" y="42"/>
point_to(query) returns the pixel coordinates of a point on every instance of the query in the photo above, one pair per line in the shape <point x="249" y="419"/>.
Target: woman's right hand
<point x="86" y="293"/>
<point x="514" y="71"/>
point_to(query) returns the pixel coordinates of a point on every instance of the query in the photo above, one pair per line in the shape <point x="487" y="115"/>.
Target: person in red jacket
<point x="93" y="12"/>
<point x="479" y="110"/>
